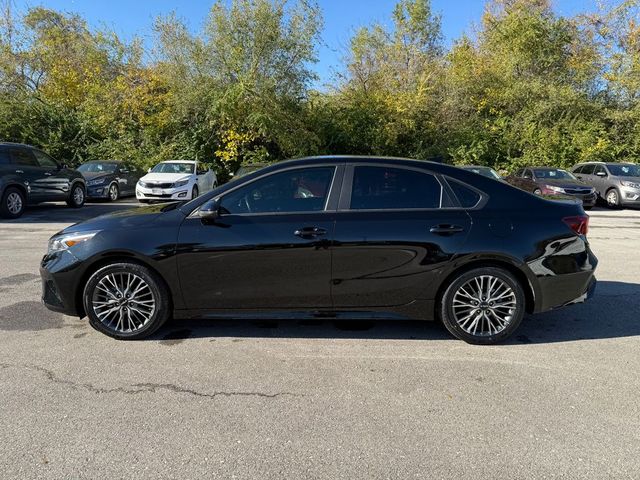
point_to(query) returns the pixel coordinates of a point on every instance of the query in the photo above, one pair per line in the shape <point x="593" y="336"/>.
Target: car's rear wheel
<point x="114" y="192"/>
<point x="76" y="196"/>
<point x="126" y="301"/>
<point x="194" y="192"/>
<point x="613" y="198"/>
<point x="483" y="306"/>
<point x="13" y="203"/>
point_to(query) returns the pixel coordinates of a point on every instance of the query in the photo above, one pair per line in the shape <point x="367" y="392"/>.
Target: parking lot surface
<point x="299" y="399"/>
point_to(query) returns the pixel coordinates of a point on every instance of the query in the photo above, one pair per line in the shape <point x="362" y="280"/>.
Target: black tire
<point x="195" y="192"/>
<point x="77" y="196"/>
<point x="449" y="315"/>
<point x="612" y="198"/>
<point x="113" y="193"/>
<point x="13" y="203"/>
<point x="123" y="270"/>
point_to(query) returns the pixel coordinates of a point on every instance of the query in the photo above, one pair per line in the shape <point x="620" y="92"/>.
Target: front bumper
<point x="60" y="274"/>
<point x="629" y="196"/>
<point x="98" y="191"/>
<point x="162" y="194"/>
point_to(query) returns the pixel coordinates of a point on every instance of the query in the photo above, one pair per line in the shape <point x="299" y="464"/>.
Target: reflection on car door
<point x="379" y="202"/>
<point x="275" y="235"/>
<point x="53" y="185"/>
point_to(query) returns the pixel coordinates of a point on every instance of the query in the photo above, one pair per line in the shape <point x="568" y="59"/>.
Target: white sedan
<point x="175" y="180"/>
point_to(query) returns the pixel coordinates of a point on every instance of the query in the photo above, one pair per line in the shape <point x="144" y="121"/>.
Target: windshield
<point x="624" y="170"/>
<point x="97" y="167"/>
<point x="553" y="174"/>
<point x="485" y="172"/>
<point x="173" y="167"/>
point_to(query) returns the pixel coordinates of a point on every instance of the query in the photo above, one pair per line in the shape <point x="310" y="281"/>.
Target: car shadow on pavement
<point x="59" y="212"/>
<point x="612" y="313"/>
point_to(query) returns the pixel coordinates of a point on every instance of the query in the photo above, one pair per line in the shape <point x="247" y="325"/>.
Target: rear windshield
<point x="620" y="170"/>
<point x="484" y="171"/>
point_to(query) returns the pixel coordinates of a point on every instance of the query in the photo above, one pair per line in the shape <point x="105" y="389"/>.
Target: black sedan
<point x="110" y="179"/>
<point x="333" y="237"/>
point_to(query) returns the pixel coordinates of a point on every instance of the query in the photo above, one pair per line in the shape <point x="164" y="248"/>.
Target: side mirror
<point x="149" y="170"/>
<point x="210" y="210"/>
<point x="601" y="174"/>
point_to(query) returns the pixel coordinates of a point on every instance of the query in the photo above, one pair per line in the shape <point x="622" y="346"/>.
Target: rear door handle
<point x="445" y="229"/>
<point x="310" y="232"/>
<point x="48" y="174"/>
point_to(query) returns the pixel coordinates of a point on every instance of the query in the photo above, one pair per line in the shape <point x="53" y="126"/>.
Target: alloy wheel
<point x="113" y="192"/>
<point x="612" y="198"/>
<point x="14" y="203"/>
<point x="123" y="302"/>
<point x="484" y="305"/>
<point x="78" y="195"/>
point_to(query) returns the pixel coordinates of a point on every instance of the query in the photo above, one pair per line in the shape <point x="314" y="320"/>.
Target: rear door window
<point x="5" y="158"/>
<point x="386" y="188"/>
<point x="467" y="197"/>
<point x="23" y="157"/>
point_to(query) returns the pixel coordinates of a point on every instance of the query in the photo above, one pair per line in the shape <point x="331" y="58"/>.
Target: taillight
<point x="579" y="224"/>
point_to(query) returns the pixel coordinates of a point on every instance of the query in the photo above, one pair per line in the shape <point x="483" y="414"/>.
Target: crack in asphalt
<point x="142" y="387"/>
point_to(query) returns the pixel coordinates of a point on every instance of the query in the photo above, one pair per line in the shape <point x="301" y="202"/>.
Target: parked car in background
<point x="109" y="179"/>
<point x="29" y="176"/>
<point x="484" y="171"/>
<point x="339" y="237"/>
<point x="550" y="181"/>
<point x="618" y="184"/>
<point x="175" y="180"/>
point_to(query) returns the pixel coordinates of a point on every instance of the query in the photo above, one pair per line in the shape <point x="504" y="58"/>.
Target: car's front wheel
<point x="483" y="306"/>
<point x="613" y="198"/>
<point x="114" y="192"/>
<point x="76" y="196"/>
<point x="13" y="203"/>
<point x="126" y="301"/>
<point x="194" y="192"/>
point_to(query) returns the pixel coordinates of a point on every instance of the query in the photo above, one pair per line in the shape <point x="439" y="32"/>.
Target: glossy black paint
<point x="394" y="263"/>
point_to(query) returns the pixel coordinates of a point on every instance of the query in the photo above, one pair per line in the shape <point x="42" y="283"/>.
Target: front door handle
<point x="48" y="174"/>
<point x="19" y="171"/>
<point x="310" y="232"/>
<point x="445" y="229"/>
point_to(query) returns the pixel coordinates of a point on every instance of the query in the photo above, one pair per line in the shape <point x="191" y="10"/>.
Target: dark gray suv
<point x="618" y="184"/>
<point x="28" y="176"/>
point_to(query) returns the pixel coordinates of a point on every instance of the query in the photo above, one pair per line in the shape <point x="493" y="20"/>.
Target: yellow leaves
<point x="233" y="144"/>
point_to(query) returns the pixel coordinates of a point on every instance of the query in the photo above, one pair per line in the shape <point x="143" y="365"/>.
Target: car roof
<point x="468" y="167"/>
<point x="102" y="161"/>
<point x="178" y="161"/>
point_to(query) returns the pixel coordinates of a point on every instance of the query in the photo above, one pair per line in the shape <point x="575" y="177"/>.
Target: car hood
<point x="561" y="182"/>
<point x="135" y="217"/>
<point x="165" y="177"/>
<point x="94" y="175"/>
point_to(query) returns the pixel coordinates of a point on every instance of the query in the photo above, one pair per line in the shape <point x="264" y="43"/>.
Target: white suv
<point x="175" y="180"/>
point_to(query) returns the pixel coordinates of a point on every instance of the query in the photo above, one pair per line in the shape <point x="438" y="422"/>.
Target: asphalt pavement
<point x="319" y="399"/>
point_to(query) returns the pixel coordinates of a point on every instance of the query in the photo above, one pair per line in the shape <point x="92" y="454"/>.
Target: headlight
<point x="63" y="242"/>
<point x="624" y="183"/>
<point x="142" y="184"/>
<point x="97" y="181"/>
<point x="555" y="189"/>
<point x="181" y="183"/>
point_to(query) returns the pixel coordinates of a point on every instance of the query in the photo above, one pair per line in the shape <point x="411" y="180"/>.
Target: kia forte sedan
<point x="332" y="237"/>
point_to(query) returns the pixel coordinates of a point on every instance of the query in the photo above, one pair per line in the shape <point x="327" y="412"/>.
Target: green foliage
<point x="529" y="86"/>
